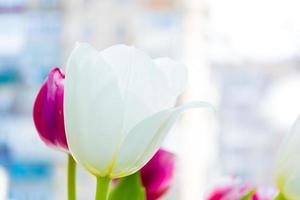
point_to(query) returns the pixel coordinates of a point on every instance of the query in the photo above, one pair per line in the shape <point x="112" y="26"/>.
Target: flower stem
<point x="102" y="190"/>
<point x="71" y="178"/>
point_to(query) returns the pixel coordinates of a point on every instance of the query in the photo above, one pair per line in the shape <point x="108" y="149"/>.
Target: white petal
<point x="93" y="109"/>
<point x="291" y="144"/>
<point x="291" y="188"/>
<point x="288" y="163"/>
<point x="145" y="138"/>
<point x="289" y="149"/>
<point x="144" y="87"/>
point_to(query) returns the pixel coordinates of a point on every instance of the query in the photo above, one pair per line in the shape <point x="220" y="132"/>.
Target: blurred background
<point x="243" y="56"/>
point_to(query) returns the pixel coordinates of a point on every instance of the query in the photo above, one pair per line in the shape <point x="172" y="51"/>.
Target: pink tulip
<point x="48" y="113"/>
<point x="157" y="174"/>
<point x="235" y="192"/>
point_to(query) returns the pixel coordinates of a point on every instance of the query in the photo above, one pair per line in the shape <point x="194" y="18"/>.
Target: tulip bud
<point x="236" y="192"/>
<point x="157" y="174"/>
<point x="288" y="165"/>
<point x="48" y="113"/>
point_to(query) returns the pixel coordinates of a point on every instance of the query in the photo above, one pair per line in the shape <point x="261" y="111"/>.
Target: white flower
<point x="288" y="164"/>
<point x="118" y="106"/>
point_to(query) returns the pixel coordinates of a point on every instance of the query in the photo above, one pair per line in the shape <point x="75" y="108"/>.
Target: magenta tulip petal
<point x="219" y="193"/>
<point x="48" y="113"/>
<point x="157" y="174"/>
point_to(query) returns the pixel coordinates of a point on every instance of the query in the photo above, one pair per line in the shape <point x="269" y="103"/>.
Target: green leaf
<point x="129" y="187"/>
<point x="249" y="195"/>
<point x="280" y="196"/>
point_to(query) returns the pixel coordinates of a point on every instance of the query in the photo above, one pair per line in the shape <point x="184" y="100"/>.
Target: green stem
<point x="102" y="190"/>
<point x="71" y="178"/>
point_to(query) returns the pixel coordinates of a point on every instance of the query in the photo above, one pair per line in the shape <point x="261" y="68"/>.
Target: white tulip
<point x="288" y="164"/>
<point x="119" y="106"/>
